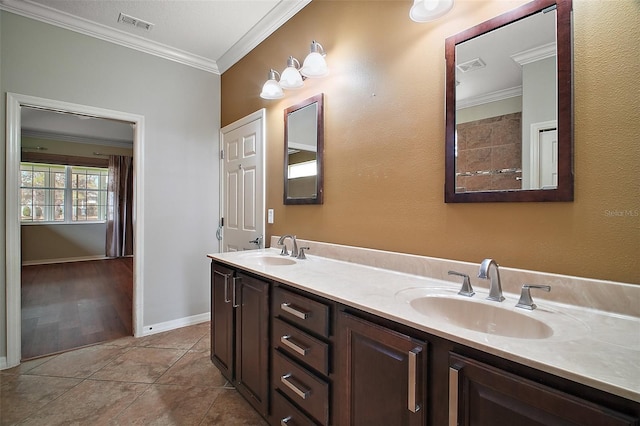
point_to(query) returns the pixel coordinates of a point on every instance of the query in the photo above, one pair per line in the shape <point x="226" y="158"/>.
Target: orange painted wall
<point x="384" y="140"/>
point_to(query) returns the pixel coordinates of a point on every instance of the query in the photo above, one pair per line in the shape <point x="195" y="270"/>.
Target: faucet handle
<point x="301" y="252"/>
<point x="257" y="241"/>
<point x="526" y="302"/>
<point x="284" y="251"/>
<point x="466" y="289"/>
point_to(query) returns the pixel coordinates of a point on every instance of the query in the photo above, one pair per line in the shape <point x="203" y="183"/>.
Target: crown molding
<point x="276" y="17"/>
<point x="282" y="12"/>
<point x="65" y="20"/>
<point x="486" y="98"/>
<point x="535" y="54"/>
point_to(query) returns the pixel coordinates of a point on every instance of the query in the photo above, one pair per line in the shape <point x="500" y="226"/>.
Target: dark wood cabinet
<point x="240" y="332"/>
<point x="222" y="320"/>
<point x="301" y="343"/>
<point x="252" y="341"/>
<point x="382" y="375"/>
<point x="480" y="394"/>
<point x="301" y="359"/>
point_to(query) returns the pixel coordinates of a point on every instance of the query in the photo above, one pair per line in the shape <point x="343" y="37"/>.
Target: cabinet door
<point x="480" y="394"/>
<point x="383" y="375"/>
<point x="222" y="320"/>
<point x="252" y="341"/>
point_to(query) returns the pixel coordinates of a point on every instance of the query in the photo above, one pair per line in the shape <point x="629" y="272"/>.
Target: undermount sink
<point x="481" y="316"/>
<point x="268" y="260"/>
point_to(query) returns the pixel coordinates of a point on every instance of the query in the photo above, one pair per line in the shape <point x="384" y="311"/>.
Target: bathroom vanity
<point x="354" y="336"/>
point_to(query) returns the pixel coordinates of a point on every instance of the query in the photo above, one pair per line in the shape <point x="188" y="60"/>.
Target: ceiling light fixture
<point x="293" y="76"/>
<point x="428" y="10"/>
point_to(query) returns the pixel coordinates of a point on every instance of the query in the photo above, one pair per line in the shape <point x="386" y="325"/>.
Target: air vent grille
<point x="139" y="23"/>
<point x="472" y="65"/>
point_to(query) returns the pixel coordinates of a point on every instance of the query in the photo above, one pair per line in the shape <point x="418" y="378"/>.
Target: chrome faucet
<point x="495" y="289"/>
<point x="294" y="248"/>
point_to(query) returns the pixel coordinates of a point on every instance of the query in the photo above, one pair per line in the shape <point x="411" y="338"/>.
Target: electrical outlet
<point x="270" y="216"/>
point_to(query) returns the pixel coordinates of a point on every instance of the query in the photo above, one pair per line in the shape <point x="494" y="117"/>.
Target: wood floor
<point x="70" y="305"/>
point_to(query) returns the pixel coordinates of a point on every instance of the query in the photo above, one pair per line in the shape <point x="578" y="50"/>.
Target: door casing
<point x="12" y="225"/>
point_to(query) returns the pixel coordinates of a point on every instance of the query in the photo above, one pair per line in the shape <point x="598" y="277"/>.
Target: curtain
<point x="120" y="207"/>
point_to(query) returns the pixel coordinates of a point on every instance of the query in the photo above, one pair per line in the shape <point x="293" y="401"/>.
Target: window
<point x="65" y="194"/>
<point x="304" y="169"/>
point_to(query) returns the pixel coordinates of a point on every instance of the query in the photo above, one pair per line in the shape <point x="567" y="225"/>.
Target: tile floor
<point x="163" y="379"/>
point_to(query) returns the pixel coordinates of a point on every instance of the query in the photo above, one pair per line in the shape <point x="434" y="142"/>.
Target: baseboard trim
<point x="63" y="260"/>
<point x="148" y="330"/>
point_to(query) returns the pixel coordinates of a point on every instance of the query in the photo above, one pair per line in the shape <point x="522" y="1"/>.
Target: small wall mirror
<point x="509" y="107"/>
<point x="303" y="152"/>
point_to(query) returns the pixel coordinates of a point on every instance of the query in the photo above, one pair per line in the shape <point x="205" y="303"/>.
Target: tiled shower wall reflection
<point x="488" y="152"/>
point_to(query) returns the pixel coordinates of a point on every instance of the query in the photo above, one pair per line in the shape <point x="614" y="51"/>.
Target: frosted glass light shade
<point x="290" y="77"/>
<point x="271" y="88"/>
<point x="428" y="10"/>
<point x="315" y="65"/>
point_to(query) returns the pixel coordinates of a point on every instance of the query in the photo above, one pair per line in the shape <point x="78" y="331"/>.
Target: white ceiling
<point x="210" y="35"/>
<point x="214" y="34"/>
<point x="207" y="34"/>
<point x="47" y="124"/>
<point x="502" y="76"/>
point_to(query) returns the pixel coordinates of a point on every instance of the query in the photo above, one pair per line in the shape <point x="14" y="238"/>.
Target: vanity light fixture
<point x="428" y="10"/>
<point x="271" y="89"/>
<point x="293" y="76"/>
<point x="315" y="65"/>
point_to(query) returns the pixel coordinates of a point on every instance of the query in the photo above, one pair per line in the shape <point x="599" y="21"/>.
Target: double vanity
<point x="353" y="336"/>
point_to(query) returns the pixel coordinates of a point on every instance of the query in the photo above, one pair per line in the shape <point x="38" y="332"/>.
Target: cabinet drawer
<point x="302" y="387"/>
<point x="286" y="414"/>
<point x="300" y="345"/>
<point x="307" y="313"/>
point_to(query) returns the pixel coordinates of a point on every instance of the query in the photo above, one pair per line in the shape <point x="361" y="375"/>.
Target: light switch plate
<point x="270" y="216"/>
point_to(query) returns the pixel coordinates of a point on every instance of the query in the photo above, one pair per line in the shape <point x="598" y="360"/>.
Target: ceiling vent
<point x="139" y="23"/>
<point x="472" y="65"/>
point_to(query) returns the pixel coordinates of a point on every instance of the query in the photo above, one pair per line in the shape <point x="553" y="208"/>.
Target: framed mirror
<point x="509" y="107"/>
<point x="303" y="151"/>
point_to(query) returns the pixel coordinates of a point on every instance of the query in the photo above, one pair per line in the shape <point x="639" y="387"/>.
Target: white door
<point x="542" y="172"/>
<point x="242" y="193"/>
<point x="549" y="159"/>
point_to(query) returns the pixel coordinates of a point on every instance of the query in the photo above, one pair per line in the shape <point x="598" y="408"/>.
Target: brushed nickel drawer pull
<point x="286" y="340"/>
<point x="285" y="421"/>
<point x="233" y="293"/>
<point x="226" y="285"/>
<point x="414" y="407"/>
<point x="453" y="396"/>
<point x="287" y="382"/>
<point x="293" y="311"/>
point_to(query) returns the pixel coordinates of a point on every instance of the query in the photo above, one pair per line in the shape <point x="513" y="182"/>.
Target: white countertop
<point x="593" y="347"/>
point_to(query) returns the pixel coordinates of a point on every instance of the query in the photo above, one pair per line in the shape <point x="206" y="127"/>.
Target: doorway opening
<point x="15" y="105"/>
